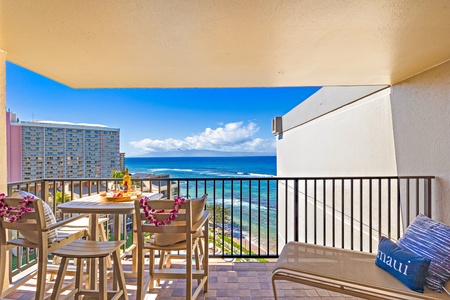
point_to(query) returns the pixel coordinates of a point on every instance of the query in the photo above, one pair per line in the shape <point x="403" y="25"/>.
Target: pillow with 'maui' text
<point x="411" y="269"/>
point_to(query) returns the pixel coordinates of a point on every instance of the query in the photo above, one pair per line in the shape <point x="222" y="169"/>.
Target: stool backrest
<point x="181" y="228"/>
<point x="181" y="224"/>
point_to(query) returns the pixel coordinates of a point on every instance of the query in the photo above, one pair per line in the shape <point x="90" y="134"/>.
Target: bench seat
<point x="343" y="271"/>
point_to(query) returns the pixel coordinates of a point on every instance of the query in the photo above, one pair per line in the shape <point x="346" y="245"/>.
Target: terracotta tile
<point x="227" y="281"/>
<point x="244" y="293"/>
<point x="265" y="286"/>
<point x="312" y="293"/>
<point x="323" y="293"/>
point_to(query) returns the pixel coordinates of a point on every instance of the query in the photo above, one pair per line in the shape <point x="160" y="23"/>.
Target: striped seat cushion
<point x="50" y="219"/>
<point x="430" y="239"/>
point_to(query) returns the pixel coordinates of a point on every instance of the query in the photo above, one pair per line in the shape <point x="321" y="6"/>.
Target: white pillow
<point x="49" y="220"/>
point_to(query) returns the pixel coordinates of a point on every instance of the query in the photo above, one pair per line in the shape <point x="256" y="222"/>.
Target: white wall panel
<point x="355" y="140"/>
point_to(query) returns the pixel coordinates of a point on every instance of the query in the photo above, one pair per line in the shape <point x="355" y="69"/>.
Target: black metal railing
<point x="351" y="212"/>
<point x="252" y="218"/>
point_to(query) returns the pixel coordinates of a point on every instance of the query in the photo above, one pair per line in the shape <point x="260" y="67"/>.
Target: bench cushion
<point x="406" y="266"/>
<point x="343" y="271"/>
<point x="430" y="239"/>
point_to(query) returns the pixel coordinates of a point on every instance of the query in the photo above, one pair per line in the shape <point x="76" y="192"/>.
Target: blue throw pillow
<point x="406" y="266"/>
<point x="430" y="239"/>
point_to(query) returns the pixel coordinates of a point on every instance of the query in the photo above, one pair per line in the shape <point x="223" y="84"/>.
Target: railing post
<point x="169" y="188"/>
<point x="45" y="190"/>
<point x="9" y="189"/>
<point x="427" y="200"/>
<point x="296" y="221"/>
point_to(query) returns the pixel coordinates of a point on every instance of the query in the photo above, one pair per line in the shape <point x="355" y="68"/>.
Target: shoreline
<point x="254" y="247"/>
<point x="246" y="243"/>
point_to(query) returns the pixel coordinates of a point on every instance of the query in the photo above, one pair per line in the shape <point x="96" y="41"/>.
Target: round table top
<point x="94" y="204"/>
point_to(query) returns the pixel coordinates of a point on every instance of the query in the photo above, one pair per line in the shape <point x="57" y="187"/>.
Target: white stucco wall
<point x="324" y="101"/>
<point x="421" y="124"/>
<point x="355" y="140"/>
<point x="351" y="140"/>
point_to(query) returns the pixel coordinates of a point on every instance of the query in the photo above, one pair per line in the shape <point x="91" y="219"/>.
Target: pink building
<point x="14" y="148"/>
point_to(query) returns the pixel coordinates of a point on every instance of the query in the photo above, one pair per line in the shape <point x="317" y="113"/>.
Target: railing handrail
<point x="230" y="178"/>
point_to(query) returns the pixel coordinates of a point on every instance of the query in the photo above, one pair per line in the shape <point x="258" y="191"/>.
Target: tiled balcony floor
<point x="228" y="280"/>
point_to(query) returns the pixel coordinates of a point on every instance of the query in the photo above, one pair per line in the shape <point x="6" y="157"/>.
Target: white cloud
<point x="232" y="137"/>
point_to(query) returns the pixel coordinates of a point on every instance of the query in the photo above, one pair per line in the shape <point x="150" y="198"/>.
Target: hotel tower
<point x="46" y="149"/>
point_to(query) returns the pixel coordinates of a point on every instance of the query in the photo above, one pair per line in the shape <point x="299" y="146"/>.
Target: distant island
<point x="203" y="153"/>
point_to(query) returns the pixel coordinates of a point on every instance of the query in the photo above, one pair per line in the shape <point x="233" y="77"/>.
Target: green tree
<point x="59" y="197"/>
<point x="217" y="211"/>
<point x="117" y="173"/>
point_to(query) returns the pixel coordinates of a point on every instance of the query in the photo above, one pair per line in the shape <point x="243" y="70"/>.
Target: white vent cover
<point x="277" y="125"/>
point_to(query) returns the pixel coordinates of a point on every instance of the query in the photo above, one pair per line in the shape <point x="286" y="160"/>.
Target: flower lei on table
<point x="13" y="213"/>
<point x="148" y="211"/>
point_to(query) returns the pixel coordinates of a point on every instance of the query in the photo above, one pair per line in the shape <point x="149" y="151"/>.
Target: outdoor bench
<point x="343" y="271"/>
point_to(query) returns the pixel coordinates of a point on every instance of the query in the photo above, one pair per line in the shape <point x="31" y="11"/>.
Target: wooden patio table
<point x="93" y="205"/>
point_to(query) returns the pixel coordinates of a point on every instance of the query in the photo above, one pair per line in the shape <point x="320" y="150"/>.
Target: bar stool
<point x="87" y="249"/>
<point x="84" y="222"/>
<point x="80" y="223"/>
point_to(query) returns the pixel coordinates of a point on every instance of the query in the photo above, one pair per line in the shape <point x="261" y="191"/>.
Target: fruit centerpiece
<point x="120" y="196"/>
<point x="122" y="192"/>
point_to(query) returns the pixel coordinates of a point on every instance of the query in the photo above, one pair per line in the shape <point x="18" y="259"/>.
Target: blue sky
<point x="226" y="119"/>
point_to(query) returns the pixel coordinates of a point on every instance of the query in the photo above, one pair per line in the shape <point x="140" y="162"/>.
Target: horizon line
<point x="201" y="156"/>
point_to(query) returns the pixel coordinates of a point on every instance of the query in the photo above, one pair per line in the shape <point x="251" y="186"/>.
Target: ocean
<point x="251" y="204"/>
<point x="204" y="167"/>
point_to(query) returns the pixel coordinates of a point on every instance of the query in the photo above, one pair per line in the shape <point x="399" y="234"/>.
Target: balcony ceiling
<point x="204" y="43"/>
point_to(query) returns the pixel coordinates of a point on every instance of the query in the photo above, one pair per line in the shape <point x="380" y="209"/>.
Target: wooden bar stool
<point x="84" y="222"/>
<point x="86" y="249"/>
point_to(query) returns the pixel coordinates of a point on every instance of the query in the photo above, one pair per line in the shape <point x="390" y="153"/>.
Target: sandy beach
<point x="246" y="244"/>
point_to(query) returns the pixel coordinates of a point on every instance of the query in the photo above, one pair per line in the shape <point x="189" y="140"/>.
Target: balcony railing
<point x="252" y="218"/>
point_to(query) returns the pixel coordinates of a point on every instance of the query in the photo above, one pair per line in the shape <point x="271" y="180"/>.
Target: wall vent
<point x="277" y="125"/>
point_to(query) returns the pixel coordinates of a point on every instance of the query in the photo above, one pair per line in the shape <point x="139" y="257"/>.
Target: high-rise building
<point x="46" y="149"/>
<point x="122" y="161"/>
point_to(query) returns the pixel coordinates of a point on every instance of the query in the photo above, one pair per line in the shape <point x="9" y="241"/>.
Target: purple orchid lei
<point x="148" y="211"/>
<point x="15" y="213"/>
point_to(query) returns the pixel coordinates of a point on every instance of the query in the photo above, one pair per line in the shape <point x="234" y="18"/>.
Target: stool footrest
<point x="95" y="292"/>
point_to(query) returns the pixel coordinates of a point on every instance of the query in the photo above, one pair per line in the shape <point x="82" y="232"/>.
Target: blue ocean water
<point x="202" y="167"/>
<point x="254" y="201"/>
